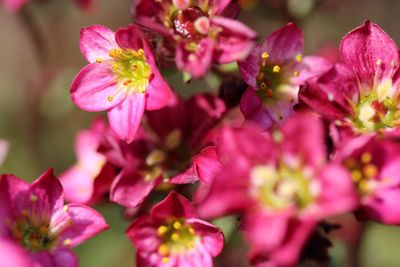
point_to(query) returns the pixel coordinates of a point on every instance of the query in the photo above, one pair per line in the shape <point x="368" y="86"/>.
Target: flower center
<point x="131" y="69"/>
<point x="273" y="79"/>
<point x="190" y="24"/>
<point x="177" y="237"/>
<point x="363" y="173"/>
<point x="377" y="110"/>
<point x="281" y="188"/>
<point x="33" y="236"/>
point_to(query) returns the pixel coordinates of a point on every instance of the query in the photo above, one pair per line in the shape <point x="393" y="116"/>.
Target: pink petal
<point x="174" y="205"/>
<point x="207" y="164"/>
<point x="212" y="237"/>
<point x="96" y="42"/>
<point x="78" y="184"/>
<point x="12" y="255"/>
<point x="94" y="85"/>
<point x="158" y="92"/>
<point x="311" y="67"/>
<point x="284" y="44"/>
<point x="14" y="5"/>
<point x="126" y="117"/>
<point x="235" y="41"/>
<point x="363" y="47"/>
<point x="188" y="176"/>
<point x="218" y="6"/>
<point x="130" y="188"/>
<point x="130" y="37"/>
<point x="65" y="258"/>
<point x="76" y="223"/>
<point x="45" y="196"/>
<point x="250" y="67"/>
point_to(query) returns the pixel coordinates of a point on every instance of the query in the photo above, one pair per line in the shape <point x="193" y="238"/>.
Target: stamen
<point x="175" y="237"/>
<point x="99" y="60"/>
<point x="67" y="242"/>
<point x="33" y="198"/>
<point x="162" y="230"/>
<point x="366" y="157"/>
<point x="276" y="69"/>
<point x="177" y="225"/>
<point x="264" y="55"/>
<point x="299" y="58"/>
<point x="163" y="250"/>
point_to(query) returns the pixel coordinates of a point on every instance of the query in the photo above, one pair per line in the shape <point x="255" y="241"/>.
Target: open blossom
<point x="90" y="178"/>
<point x="281" y="184"/>
<point x="176" y="147"/>
<point x="34" y="216"/>
<point x="374" y="164"/>
<point x="200" y="32"/>
<point x="274" y="72"/>
<point x="122" y="78"/>
<point x="172" y="236"/>
<point x="361" y="95"/>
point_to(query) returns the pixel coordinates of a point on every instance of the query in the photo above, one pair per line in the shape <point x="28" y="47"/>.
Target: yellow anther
<point x="110" y="98"/>
<point x="165" y="260"/>
<point x="299" y="58"/>
<point x="67" y="242"/>
<point x="163" y="250"/>
<point x="370" y="170"/>
<point x="140" y="52"/>
<point x="162" y="230"/>
<point x="356" y="175"/>
<point x="173" y="139"/>
<point x="364" y="186"/>
<point x="65" y="208"/>
<point x="177" y="225"/>
<point x="277" y="136"/>
<point x="366" y="157"/>
<point x="127" y="82"/>
<point x="190" y="245"/>
<point x="114" y="66"/>
<point x="34" y="198"/>
<point x="296" y="73"/>
<point x="264" y="55"/>
<point x="155" y="157"/>
<point x="175" y="237"/>
<point x="276" y="69"/>
<point x="43" y="230"/>
<point x="34" y="242"/>
<point x="134" y="67"/>
<point x="378" y="62"/>
<point x="192" y="231"/>
<point x="99" y="60"/>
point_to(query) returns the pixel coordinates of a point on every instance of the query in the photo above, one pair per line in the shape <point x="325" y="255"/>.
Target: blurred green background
<point x="40" y="55"/>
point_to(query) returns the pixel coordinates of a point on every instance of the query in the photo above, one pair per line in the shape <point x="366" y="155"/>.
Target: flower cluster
<point x="290" y="142"/>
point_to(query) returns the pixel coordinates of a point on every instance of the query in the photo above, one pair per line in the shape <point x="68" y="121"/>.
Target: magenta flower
<point x="374" y="164"/>
<point x="176" y="147"/>
<point x="91" y="176"/>
<point x="122" y="78"/>
<point x="281" y="186"/>
<point x="36" y="218"/>
<point x="172" y="236"/>
<point x="200" y="33"/>
<point x="274" y="72"/>
<point x="360" y="95"/>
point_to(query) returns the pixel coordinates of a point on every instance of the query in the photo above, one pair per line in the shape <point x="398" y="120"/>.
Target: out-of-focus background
<point x="40" y="56"/>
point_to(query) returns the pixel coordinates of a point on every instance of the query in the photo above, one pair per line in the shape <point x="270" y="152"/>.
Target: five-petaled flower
<point x="122" y="78"/>
<point x="35" y="217"/>
<point x="171" y="236"/>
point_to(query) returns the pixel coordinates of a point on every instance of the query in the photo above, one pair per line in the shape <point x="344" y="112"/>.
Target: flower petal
<point x="13" y="255"/>
<point x="174" y="205"/>
<point x="93" y="86"/>
<point x="78" y="184"/>
<point x="96" y="43"/>
<point x="76" y="223"/>
<point x="126" y="117"/>
<point x="370" y="52"/>
<point x="158" y="92"/>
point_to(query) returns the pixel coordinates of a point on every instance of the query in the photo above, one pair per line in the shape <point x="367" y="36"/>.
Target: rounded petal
<point x="93" y="86"/>
<point x="130" y="37"/>
<point x="75" y="224"/>
<point x="64" y="258"/>
<point x="126" y="117"/>
<point x="158" y="92"/>
<point x="174" y="205"/>
<point x="13" y="255"/>
<point x="250" y="67"/>
<point x="130" y="188"/>
<point x="78" y="184"/>
<point x="211" y="236"/>
<point x="370" y="52"/>
<point x="253" y="109"/>
<point x="96" y="42"/>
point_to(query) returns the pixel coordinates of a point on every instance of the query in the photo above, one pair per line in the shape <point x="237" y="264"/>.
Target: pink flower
<point x="281" y="184"/>
<point x="176" y="148"/>
<point x="374" y="164"/>
<point x="16" y="5"/>
<point x="172" y="236"/>
<point x="90" y="178"/>
<point x="360" y="95"/>
<point x="35" y="217"/>
<point x="122" y="78"/>
<point x="199" y="31"/>
<point x="274" y="72"/>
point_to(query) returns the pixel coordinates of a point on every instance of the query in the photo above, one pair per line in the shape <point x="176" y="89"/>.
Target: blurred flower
<point x="3" y="150"/>
<point x="122" y="78"/>
<point x="361" y="96"/>
<point x="34" y="216"/>
<point x="176" y="147"/>
<point x="274" y="72"/>
<point x="16" y="5"/>
<point x="374" y="165"/>
<point x="281" y="184"/>
<point x="90" y="178"/>
<point x="13" y="255"/>
<point x="172" y="236"/>
<point x="200" y="31"/>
